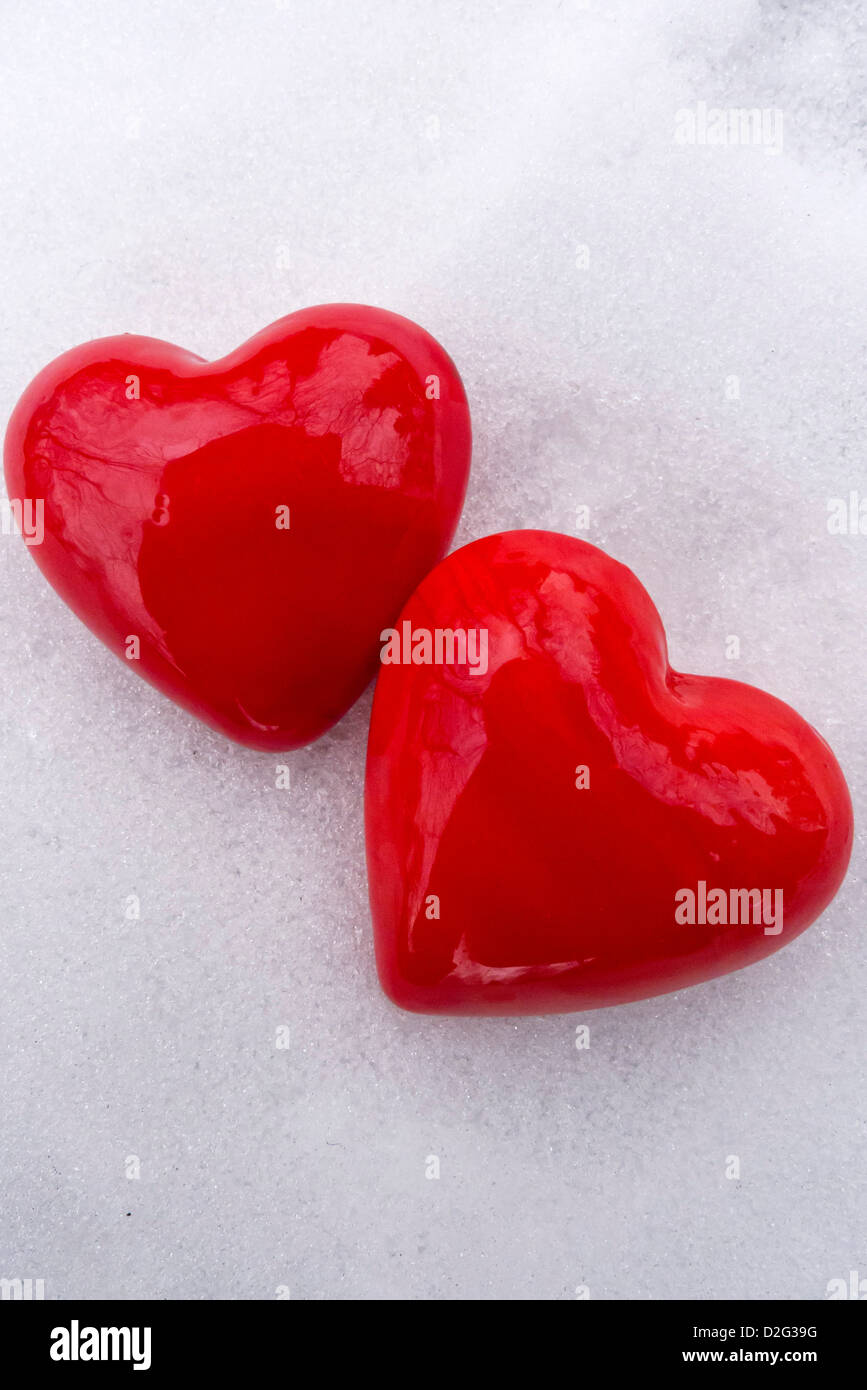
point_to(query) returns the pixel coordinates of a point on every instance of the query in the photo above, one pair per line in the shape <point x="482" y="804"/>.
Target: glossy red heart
<point x="240" y="531"/>
<point x="549" y="805"/>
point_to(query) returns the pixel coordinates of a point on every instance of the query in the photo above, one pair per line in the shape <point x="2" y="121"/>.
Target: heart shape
<point x="240" y="531"/>
<point x="556" y="820"/>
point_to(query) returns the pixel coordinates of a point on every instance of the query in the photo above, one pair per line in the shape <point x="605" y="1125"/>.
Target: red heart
<point x="499" y="882"/>
<point x="253" y="522"/>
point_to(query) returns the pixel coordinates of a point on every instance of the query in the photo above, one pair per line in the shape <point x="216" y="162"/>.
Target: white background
<point x="195" y="171"/>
